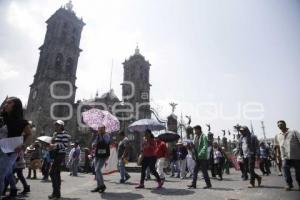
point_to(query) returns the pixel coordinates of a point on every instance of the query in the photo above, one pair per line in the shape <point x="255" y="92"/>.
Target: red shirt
<point x="161" y="149"/>
<point x="149" y="147"/>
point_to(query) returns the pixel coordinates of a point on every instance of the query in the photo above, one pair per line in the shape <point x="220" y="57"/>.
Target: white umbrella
<point x="143" y="124"/>
<point x="46" y="139"/>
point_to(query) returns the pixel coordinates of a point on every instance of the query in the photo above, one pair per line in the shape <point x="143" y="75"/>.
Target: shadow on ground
<point x="127" y="183"/>
<point x="272" y="187"/>
<point x="222" y="189"/>
<point x="127" y="195"/>
<point x="173" y="192"/>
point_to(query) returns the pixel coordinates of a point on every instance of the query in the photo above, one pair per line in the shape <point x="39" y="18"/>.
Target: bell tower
<point x="136" y="86"/>
<point x="52" y="93"/>
<point x="136" y="95"/>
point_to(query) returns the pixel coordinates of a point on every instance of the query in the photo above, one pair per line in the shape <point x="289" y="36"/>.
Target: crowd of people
<point x="179" y="159"/>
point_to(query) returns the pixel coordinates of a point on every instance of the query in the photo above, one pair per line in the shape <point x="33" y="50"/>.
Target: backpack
<point x="102" y="148"/>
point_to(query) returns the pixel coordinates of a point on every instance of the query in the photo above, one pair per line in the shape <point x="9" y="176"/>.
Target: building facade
<point x="52" y="93"/>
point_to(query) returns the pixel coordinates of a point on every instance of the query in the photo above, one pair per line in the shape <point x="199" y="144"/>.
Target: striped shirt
<point x="61" y="140"/>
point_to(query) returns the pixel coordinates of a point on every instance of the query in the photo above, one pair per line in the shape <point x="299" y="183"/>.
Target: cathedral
<point x="52" y="93"/>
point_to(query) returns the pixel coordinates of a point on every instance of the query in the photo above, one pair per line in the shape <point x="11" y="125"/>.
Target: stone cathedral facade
<point x="52" y="93"/>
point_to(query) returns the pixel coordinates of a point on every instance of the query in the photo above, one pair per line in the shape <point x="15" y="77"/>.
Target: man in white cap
<point x="60" y="143"/>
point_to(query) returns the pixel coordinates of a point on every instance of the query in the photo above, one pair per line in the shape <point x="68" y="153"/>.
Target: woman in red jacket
<point x="149" y="160"/>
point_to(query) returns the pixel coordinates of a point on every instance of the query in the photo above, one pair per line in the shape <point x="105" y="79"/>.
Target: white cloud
<point x="23" y="18"/>
<point x="230" y="76"/>
<point x="6" y="70"/>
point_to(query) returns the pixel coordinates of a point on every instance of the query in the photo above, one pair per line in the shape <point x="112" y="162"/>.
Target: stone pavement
<point x="231" y="188"/>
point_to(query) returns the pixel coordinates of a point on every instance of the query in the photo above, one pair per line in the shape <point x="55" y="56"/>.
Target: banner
<point x="111" y="164"/>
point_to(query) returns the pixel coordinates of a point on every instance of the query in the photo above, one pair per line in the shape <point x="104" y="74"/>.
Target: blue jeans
<point x="99" y="163"/>
<point x="124" y="174"/>
<point x="287" y="164"/>
<point x="7" y="168"/>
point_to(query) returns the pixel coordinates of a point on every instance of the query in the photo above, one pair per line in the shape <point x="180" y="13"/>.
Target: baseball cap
<point x="60" y="122"/>
<point x="244" y="128"/>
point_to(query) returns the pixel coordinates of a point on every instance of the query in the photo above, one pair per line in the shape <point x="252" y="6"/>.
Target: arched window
<point x="69" y="64"/>
<point x="59" y="60"/>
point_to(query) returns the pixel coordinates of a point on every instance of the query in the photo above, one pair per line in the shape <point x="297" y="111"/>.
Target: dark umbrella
<point x="168" y="136"/>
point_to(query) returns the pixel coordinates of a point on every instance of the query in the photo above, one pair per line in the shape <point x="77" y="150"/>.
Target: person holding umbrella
<point x="149" y="159"/>
<point x="102" y="152"/>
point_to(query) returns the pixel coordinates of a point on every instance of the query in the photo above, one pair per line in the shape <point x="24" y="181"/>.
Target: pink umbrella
<point x="94" y="118"/>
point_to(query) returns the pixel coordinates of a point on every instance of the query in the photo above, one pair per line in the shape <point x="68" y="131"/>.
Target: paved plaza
<point x="231" y="188"/>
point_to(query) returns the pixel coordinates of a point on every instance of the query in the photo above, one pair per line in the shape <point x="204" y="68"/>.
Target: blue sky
<point x="221" y="54"/>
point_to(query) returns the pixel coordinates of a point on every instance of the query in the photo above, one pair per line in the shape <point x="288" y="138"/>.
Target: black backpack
<point x="102" y="148"/>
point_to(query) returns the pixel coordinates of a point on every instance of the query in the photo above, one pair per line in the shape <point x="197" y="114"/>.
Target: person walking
<point x="74" y="158"/>
<point x="58" y="147"/>
<point x="190" y="158"/>
<point x="264" y="159"/>
<point x="46" y="162"/>
<point x="102" y="153"/>
<point x="12" y="125"/>
<point x="218" y="161"/>
<point x="288" y="141"/>
<point x="250" y="151"/>
<point x="174" y="161"/>
<point x="35" y="157"/>
<point x="240" y="159"/>
<point x="200" y="145"/>
<point x="123" y="154"/>
<point x="149" y="159"/>
<point x="161" y="153"/>
<point x="181" y="155"/>
<point x="19" y="167"/>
